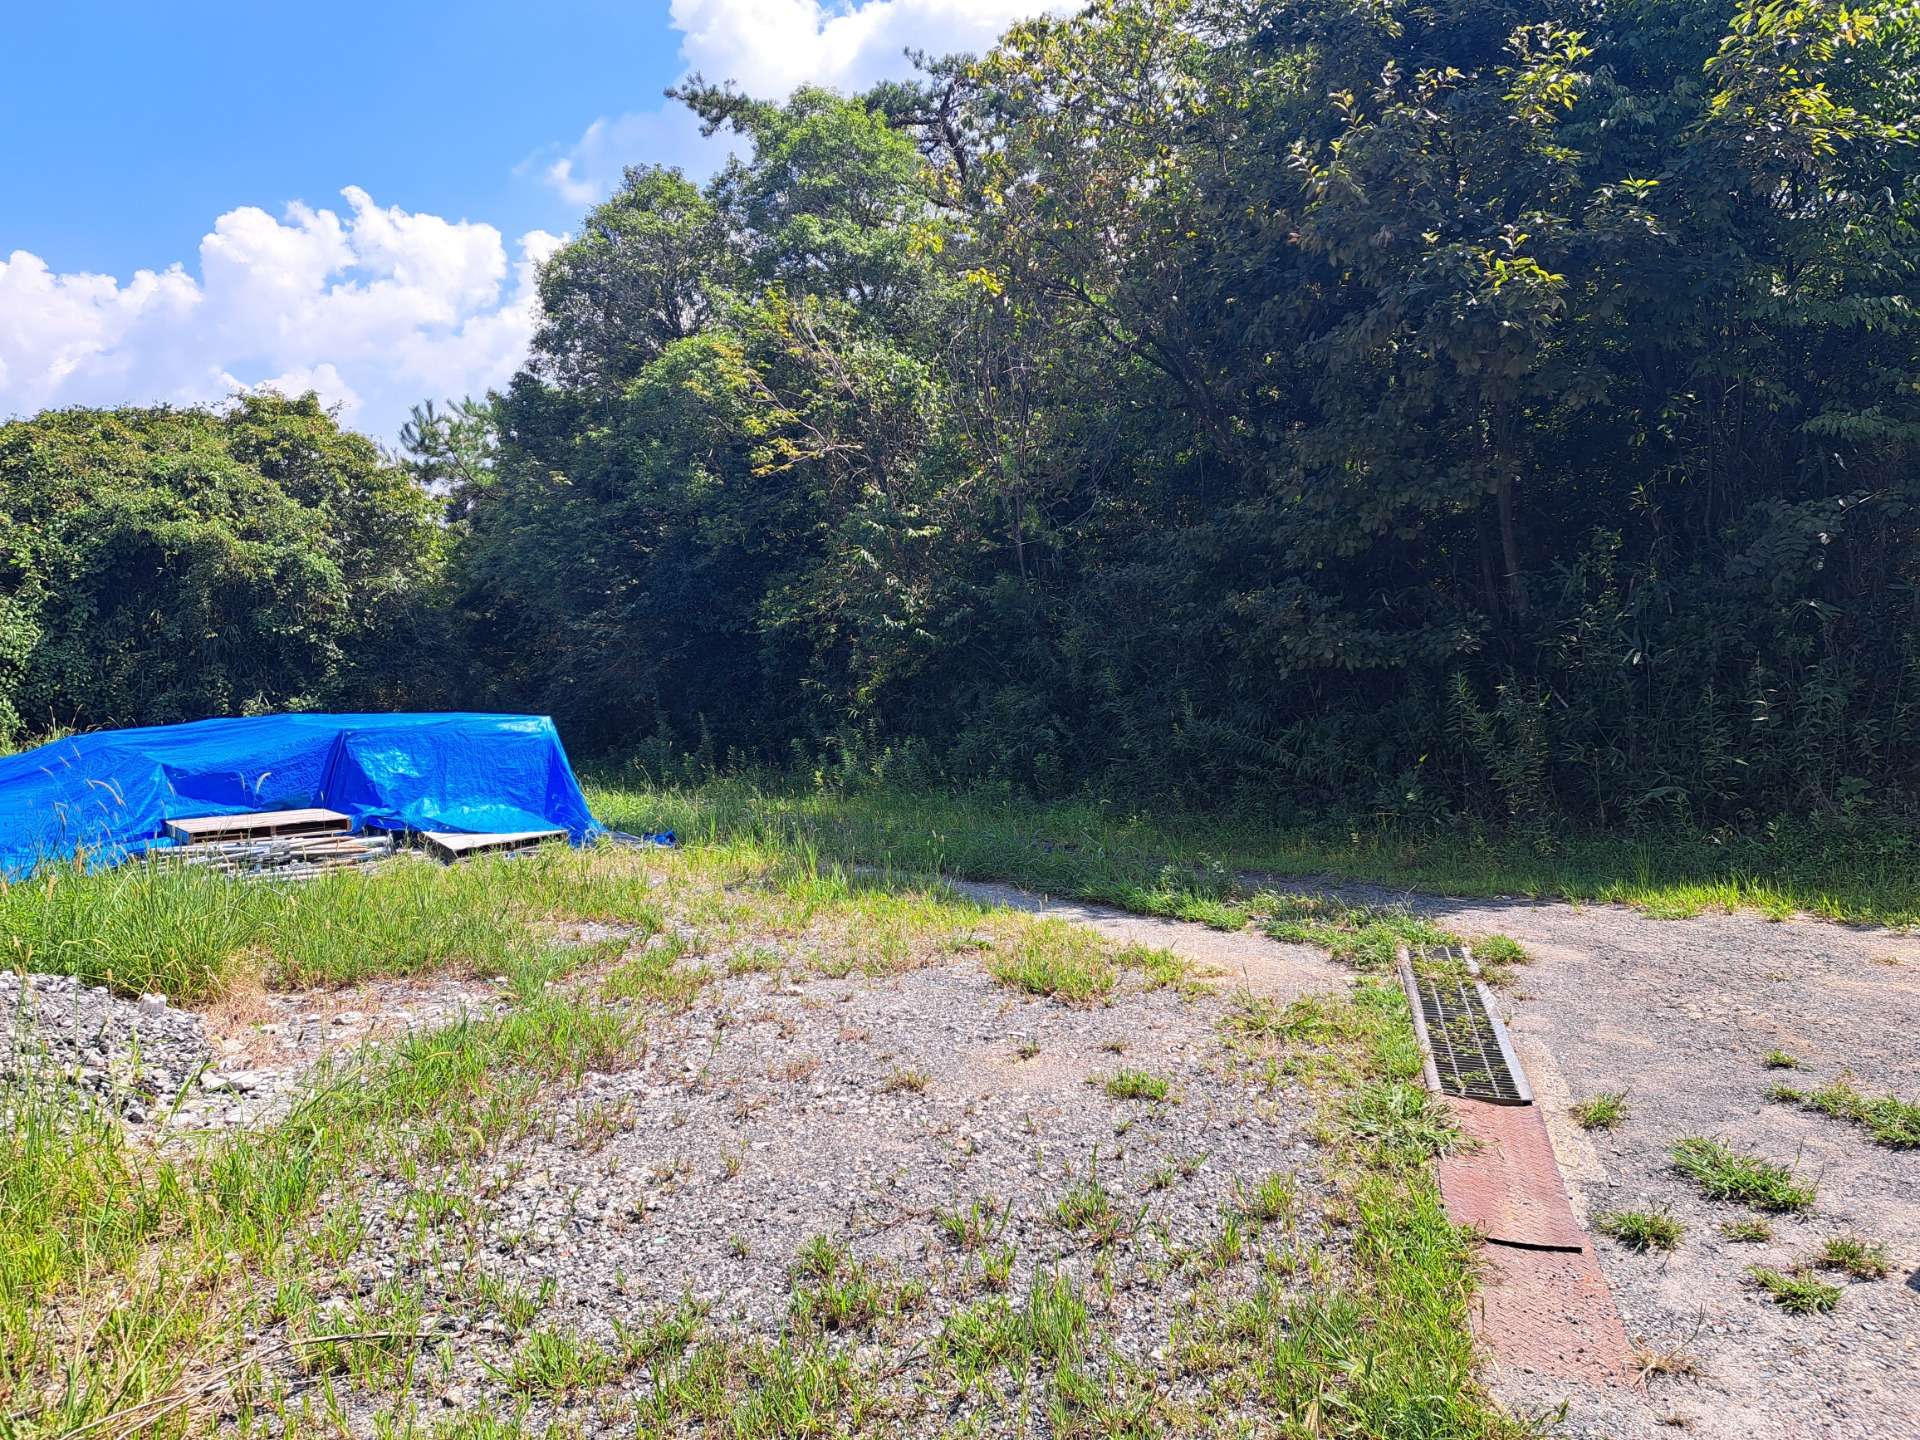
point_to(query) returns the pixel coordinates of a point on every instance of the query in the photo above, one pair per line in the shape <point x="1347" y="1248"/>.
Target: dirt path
<point x="1681" y="1015"/>
<point x="1240" y="959"/>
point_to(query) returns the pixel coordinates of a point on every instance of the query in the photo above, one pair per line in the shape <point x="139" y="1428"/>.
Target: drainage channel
<point x="1466" y="1050"/>
<point x="1544" y="1305"/>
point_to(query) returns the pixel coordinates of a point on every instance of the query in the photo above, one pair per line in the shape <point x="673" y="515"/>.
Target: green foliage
<point x="1891" y="1121"/>
<point x="1641" y="1229"/>
<point x="1603" y="1111"/>
<point x="1860" y="1259"/>
<point x="1797" y="1292"/>
<point x="1460" y="413"/>
<point x="160" y="565"/>
<point x="1725" y="1174"/>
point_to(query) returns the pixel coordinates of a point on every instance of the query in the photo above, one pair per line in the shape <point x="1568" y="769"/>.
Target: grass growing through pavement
<point x="1888" y="1119"/>
<point x="1641" y="1229"/>
<point x="1798" y="1292"/>
<point x="1725" y="1174"/>
<point x="1172" y="862"/>
<point x="1857" y="1258"/>
<point x="155" y="1261"/>
<point x="1136" y="1085"/>
<point x="148" y="1278"/>
<point x="1381" y="1345"/>
<point x="1603" y="1111"/>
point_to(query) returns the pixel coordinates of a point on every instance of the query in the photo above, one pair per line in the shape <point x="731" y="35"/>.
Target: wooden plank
<point x="454" y="845"/>
<point x="260" y="824"/>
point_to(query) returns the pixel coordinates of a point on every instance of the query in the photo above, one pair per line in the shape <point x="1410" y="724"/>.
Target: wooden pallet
<point x="261" y="825"/>
<point x="451" y="845"/>
<point x="280" y="857"/>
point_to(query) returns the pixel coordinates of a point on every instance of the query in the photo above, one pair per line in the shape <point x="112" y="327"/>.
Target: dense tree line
<point x="1395" y="408"/>
<point x="161" y="565"/>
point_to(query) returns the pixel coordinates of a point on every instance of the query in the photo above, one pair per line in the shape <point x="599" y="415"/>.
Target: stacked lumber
<point x="273" y="844"/>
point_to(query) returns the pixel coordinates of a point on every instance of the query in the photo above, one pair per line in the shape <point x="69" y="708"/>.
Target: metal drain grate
<point x="1466" y="1047"/>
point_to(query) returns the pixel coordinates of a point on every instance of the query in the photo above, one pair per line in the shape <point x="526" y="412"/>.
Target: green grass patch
<point x="1604" y="1111"/>
<point x="1382" y="1344"/>
<point x="1365" y="937"/>
<point x="1887" y="1119"/>
<point x="1136" y="1085"/>
<point x="1798" y="1292"/>
<point x="1746" y="1232"/>
<point x="190" y="933"/>
<point x="1641" y="1229"/>
<point x="1855" y="1257"/>
<point x="1055" y="959"/>
<point x="1160" y="860"/>
<point x="1725" y="1174"/>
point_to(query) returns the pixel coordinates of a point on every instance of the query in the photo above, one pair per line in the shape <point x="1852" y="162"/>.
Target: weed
<point x="1135" y="1085"/>
<point x="552" y="1364"/>
<point x="1027" y="1049"/>
<point x="1780" y="1060"/>
<point x="1641" y="1229"/>
<point x="656" y="976"/>
<point x="996" y="1269"/>
<point x="1860" y="1259"/>
<point x="1057" y="960"/>
<point x="1274" y="1198"/>
<point x="909" y="1081"/>
<point x="1724" y="1174"/>
<point x="754" y="960"/>
<point x="974" y="1227"/>
<point x="1365" y="937"/>
<point x="1797" y="1292"/>
<point x="1087" y="1208"/>
<point x="1498" y="954"/>
<point x="1746" y="1232"/>
<point x="1402" y="1119"/>
<point x="1887" y="1119"/>
<point x="1603" y="1111"/>
<point x="833" y="1290"/>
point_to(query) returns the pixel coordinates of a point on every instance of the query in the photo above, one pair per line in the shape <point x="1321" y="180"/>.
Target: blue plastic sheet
<point x="109" y="794"/>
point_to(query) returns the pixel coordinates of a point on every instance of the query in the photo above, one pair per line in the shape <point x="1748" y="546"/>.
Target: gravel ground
<point x="134" y="1055"/>
<point x="775" y="1111"/>
<point x="1681" y="1014"/>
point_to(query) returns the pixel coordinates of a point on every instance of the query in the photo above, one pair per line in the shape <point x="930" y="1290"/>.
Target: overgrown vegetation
<point x="1211" y="865"/>
<point x="1406" y="440"/>
<point x="218" y="1258"/>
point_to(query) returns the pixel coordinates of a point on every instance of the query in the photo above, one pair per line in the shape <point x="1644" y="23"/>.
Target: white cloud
<point x="377" y="308"/>
<point x="767" y="47"/>
<point x="374" y="309"/>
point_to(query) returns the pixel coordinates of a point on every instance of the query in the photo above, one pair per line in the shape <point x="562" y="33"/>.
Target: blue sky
<point x="201" y="198"/>
<point x="130" y="126"/>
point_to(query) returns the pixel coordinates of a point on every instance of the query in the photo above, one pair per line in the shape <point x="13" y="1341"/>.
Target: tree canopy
<point x="1394" y="408"/>
<point x="161" y="565"/>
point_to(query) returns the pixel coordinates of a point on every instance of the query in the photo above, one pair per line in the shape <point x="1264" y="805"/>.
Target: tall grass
<point x="188" y="933"/>
<point x="123" y="1276"/>
<point x="1191" y="864"/>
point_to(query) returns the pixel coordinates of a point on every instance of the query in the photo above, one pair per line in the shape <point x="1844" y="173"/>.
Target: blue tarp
<point x="111" y="793"/>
